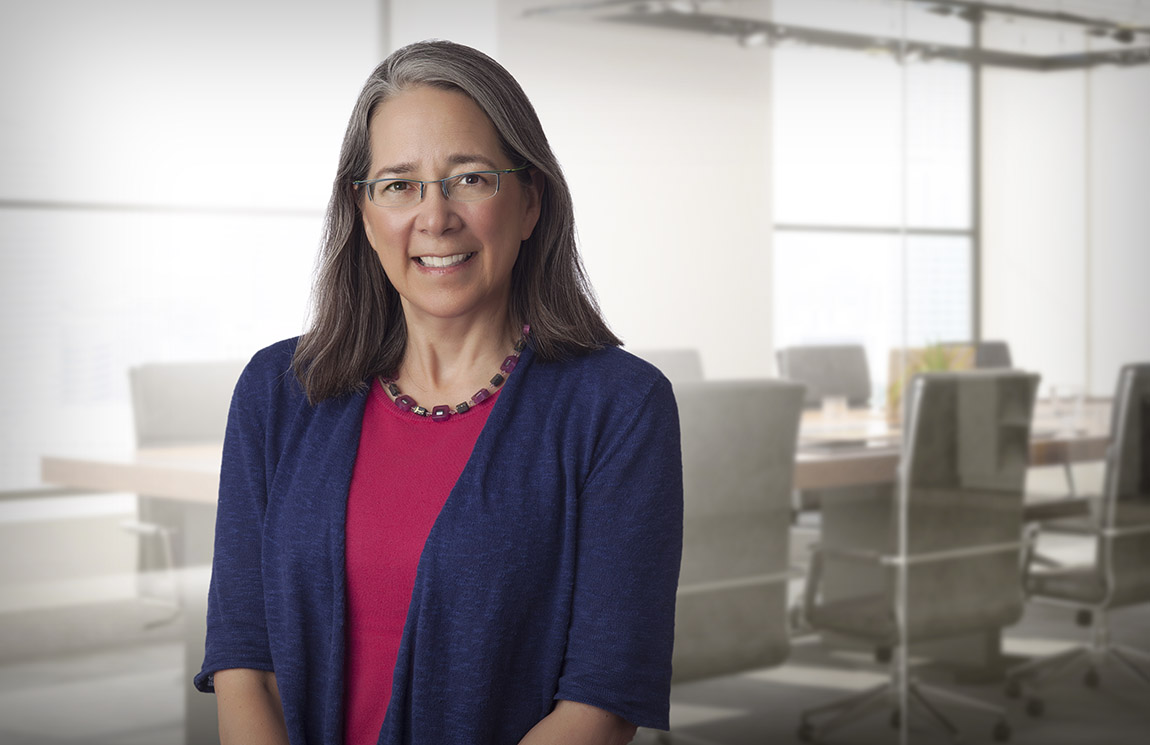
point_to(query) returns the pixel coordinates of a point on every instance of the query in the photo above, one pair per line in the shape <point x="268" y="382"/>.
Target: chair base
<point x="1030" y="678"/>
<point x="919" y="695"/>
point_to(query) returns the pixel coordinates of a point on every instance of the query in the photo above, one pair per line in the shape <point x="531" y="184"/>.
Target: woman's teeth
<point x="443" y="261"/>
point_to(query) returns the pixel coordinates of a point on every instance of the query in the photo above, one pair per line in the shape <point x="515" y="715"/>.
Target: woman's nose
<point x="437" y="213"/>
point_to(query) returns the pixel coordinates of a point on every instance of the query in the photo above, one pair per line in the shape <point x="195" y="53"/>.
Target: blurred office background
<point x="164" y="167"/>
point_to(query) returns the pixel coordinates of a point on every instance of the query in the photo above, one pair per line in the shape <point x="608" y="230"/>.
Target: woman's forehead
<point x="432" y="123"/>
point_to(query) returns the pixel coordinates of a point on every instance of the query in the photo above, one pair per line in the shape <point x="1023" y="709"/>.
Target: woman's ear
<point x="532" y="202"/>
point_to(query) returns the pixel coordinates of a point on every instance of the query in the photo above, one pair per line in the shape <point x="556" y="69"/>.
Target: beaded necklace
<point x="443" y="412"/>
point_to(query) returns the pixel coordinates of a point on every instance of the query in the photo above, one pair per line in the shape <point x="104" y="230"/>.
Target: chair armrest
<point x="931" y="557"/>
<point x="1125" y="531"/>
<point x="754" y="580"/>
<point x="836" y="552"/>
<point x="819" y="553"/>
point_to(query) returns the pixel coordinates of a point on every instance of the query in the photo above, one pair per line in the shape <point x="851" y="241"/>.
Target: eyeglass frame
<point x="442" y="184"/>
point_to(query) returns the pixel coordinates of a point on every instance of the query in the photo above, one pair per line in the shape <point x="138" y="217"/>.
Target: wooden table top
<point x="856" y="449"/>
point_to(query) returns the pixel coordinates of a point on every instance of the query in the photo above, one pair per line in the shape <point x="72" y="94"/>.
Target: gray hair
<point x="357" y="330"/>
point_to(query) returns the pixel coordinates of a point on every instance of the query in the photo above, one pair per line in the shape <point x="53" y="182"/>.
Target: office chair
<point x="176" y="404"/>
<point x="731" y="613"/>
<point x="678" y="365"/>
<point x="1120" y="574"/>
<point x="949" y="557"/>
<point x="825" y="370"/>
<point x="992" y="355"/>
<point x="828" y="370"/>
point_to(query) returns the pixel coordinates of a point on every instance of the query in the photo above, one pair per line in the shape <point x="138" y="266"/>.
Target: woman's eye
<point x="398" y="186"/>
<point x="471" y="179"/>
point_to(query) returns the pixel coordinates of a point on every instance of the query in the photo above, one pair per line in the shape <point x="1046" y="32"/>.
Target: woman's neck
<point x="447" y="360"/>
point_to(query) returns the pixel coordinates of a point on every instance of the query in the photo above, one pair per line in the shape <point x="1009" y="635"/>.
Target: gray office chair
<point x="949" y="560"/>
<point x="825" y="370"/>
<point x="828" y="370"/>
<point x="1120" y="573"/>
<point x="182" y="403"/>
<point x="176" y="404"/>
<point x="738" y="440"/>
<point x="988" y="355"/>
<point x="991" y="355"/>
<point x="679" y="365"/>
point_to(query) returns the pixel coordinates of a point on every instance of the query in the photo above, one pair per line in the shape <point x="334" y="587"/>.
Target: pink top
<point x="404" y="470"/>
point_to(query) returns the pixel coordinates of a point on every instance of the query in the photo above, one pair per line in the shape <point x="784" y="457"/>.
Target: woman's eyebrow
<point x="459" y="159"/>
<point x="466" y="159"/>
<point x="398" y="169"/>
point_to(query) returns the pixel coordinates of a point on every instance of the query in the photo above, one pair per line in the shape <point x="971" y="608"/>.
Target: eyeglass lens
<point x="464" y="187"/>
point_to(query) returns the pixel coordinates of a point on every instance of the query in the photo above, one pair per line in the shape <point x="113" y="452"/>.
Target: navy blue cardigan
<point x="550" y="573"/>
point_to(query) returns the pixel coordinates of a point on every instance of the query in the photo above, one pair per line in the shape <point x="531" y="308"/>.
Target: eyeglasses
<point x="473" y="186"/>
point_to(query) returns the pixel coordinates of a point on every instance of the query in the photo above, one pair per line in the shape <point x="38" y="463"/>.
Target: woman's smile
<point x="443" y="262"/>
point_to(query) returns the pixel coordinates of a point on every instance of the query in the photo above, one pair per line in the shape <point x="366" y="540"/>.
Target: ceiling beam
<point x="754" y="32"/>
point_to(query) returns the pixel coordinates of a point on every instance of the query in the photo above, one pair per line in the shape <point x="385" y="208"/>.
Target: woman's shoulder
<point x="611" y="374"/>
<point x="269" y="373"/>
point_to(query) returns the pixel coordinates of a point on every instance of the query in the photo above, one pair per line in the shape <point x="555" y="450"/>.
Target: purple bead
<point x="441" y="413"/>
<point x="406" y="402"/>
<point x="509" y="363"/>
<point x="526" y="329"/>
<point x="482" y="395"/>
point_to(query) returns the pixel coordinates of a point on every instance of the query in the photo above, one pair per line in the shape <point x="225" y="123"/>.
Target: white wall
<point x="470" y="22"/>
<point x="1034" y="222"/>
<point x="664" y="139"/>
<point x="1119" y="259"/>
<point x="1066" y="260"/>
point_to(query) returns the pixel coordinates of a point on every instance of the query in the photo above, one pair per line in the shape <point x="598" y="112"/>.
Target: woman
<point x="498" y="564"/>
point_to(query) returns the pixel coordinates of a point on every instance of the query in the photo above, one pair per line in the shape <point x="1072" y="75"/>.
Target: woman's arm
<point x="572" y="723"/>
<point x="250" y="712"/>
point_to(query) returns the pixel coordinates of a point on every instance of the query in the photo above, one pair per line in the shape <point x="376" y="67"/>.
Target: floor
<point x="111" y="673"/>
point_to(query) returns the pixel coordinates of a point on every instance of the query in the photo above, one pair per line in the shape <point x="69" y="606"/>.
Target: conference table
<point x="858" y="448"/>
<point x="849" y="449"/>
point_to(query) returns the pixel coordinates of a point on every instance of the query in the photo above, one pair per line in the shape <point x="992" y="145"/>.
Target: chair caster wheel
<point x="806" y="732"/>
<point x="1001" y="732"/>
<point x="1090" y="679"/>
<point x="1035" y="707"/>
<point x="1013" y="688"/>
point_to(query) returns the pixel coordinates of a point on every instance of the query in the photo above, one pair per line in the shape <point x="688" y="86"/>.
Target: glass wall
<point x="873" y="181"/>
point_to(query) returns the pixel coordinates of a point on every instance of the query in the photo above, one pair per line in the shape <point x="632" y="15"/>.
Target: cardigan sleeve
<point x="237" y="634"/>
<point x="630" y="538"/>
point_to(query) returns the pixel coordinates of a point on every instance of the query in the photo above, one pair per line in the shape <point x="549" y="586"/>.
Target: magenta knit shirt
<point x="405" y="468"/>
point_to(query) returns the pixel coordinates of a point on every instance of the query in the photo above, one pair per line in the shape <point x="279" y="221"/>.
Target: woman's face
<point x="447" y="259"/>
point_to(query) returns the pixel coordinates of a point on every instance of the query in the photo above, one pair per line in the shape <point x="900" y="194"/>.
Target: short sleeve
<point x="237" y="634"/>
<point x="630" y="540"/>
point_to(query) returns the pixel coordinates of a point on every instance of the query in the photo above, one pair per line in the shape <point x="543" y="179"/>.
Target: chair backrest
<point x="1124" y="546"/>
<point x="991" y="355"/>
<point x="738" y="440"/>
<point x="828" y="370"/>
<point x="182" y="403"/>
<point x="961" y="480"/>
<point x="679" y="365"/>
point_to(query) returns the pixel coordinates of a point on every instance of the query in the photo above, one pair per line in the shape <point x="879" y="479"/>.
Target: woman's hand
<point x="572" y="723"/>
<point x="250" y="710"/>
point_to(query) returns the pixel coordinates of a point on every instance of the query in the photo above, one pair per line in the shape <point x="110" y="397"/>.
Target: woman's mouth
<point x="442" y="262"/>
